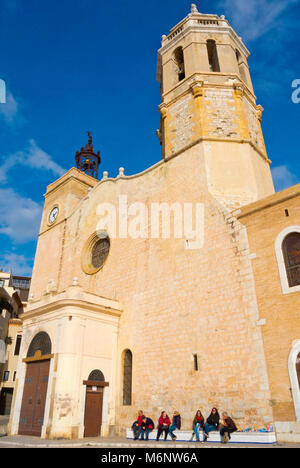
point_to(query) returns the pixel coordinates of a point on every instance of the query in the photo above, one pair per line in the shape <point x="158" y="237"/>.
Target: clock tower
<point x="61" y="200"/>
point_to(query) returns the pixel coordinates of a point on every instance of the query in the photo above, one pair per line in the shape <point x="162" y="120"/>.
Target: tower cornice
<point x="188" y="26"/>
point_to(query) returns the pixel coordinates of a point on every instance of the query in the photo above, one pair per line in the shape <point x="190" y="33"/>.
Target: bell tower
<point x="87" y="160"/>
<point x="208" y="103"/>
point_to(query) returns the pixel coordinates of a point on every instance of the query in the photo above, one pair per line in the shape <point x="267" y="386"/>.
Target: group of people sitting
<point x="144" y="425"/>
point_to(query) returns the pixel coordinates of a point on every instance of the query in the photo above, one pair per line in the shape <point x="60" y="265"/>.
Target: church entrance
<point x="5" y="400"/>
<point x="94" y="403"/>
<point x="34" y="398"/>
<point x="35" y="385"/>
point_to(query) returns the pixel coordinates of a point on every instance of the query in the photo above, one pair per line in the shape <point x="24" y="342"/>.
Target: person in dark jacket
<point x="212" y="423"/>
<point x="146" y="427"/>
<point x="228" y="427"/>
<point x="176" y="424"/>
<point x="198" y="423"/>
<point x="163" y="425"/>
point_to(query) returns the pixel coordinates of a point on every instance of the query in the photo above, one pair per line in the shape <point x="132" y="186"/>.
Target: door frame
<point x="94" y="383"/>
<point x="294" y="378"/>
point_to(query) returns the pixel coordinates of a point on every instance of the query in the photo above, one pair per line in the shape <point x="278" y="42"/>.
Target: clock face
<point x="53" y="215"/>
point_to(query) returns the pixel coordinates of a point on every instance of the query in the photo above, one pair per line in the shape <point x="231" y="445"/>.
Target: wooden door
<point x="5" y="400"/>
<point x="93" y="411"/>
<point x="34" y="398"/>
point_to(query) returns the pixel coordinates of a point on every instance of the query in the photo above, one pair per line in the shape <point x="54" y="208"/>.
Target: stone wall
<point x="176" y="302"/>
<point x="264" y="221"/>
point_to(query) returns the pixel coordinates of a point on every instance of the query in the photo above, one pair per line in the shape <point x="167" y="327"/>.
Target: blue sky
<point x="77" y="65"/>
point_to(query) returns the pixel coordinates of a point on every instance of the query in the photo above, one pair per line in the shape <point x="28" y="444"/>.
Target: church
<point x="124" y="316"/>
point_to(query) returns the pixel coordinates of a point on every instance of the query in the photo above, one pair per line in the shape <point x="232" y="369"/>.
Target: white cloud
<point x="33" y="157"/>
<point x="18" y="264"/>
<point x="8" y="163"/>
<point x="10" y="109"/>
<point x="20" y="217"/>
<point x="253" y="18"/>
<point x="283" y="178"/>
<point x="38" y="159"/>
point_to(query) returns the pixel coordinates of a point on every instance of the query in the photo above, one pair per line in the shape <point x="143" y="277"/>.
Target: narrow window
<point x="195" y="356"/>
<point x="6" y="376"/>
<point x="291" y="253"/>
<point x="18" y="345"/>
<point x="14" y="376"/>
<point x="179" y="61"/>
<point x="127" y="378"/>
<point x="287" y="213"/>
<point x="212" y="56"/>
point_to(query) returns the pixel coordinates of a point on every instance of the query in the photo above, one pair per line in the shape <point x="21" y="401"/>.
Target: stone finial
<point x="121" y="171"/>
<point x="259" y="112"/>
<point x="51" y="287"/>
<point x="194" y="9"/>
<point x="105" y="175"/>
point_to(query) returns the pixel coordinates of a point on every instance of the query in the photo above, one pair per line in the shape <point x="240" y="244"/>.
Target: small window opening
<point x="18" y="345"/>
<point x="213" y="60"/>
<point x="195" y="356"/>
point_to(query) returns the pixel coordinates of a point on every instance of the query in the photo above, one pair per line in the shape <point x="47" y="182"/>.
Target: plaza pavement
<point x="122" y="443"/>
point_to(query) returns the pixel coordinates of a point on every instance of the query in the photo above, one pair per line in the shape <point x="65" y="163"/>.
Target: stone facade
<point x="164" y="301"/>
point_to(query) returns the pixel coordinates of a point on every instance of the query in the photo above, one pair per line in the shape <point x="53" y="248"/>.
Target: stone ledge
<point x="3" y="431"/>
<point x="288" y="431"/>
<point x="236" y="437"/>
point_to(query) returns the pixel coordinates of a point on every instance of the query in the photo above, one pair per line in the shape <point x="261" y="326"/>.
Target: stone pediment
<point x="73" y="297"/>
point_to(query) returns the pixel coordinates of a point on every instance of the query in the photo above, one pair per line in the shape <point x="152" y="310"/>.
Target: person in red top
<point x="137" y="425"/>
<point x="163" y="425"/>
<point x="140" y="417"/>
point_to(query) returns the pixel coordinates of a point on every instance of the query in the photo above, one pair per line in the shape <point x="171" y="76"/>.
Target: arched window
<point x="41" y="342"/>
<point x="179" y="60"/>
<point x="97" y="375"/>
<point x="127" y="378"/>
<point x="291" y="253"/>
<point x="212" y="56"/>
